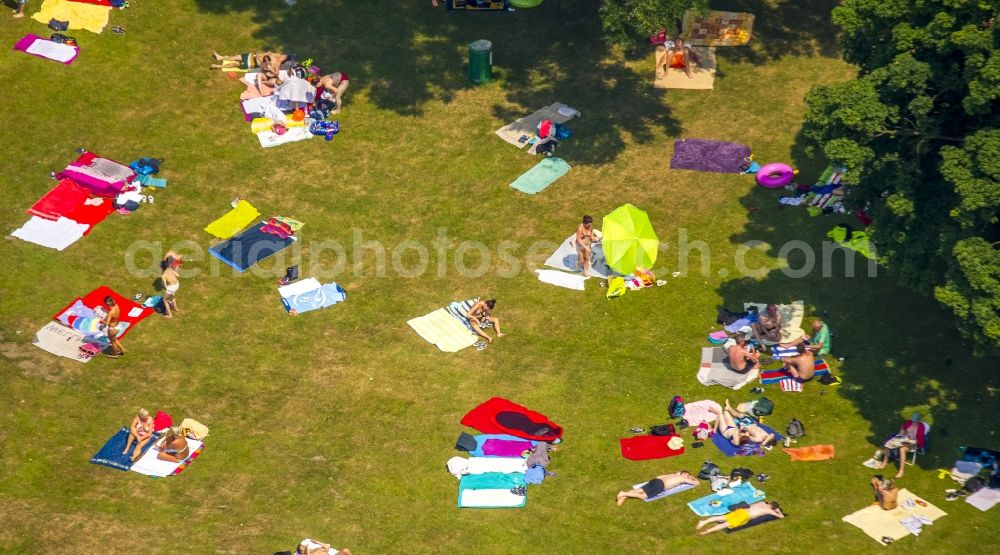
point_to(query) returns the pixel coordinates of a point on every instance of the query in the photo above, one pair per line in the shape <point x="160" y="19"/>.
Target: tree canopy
<point x="920" y="131"/>
<point x="625" y="21"/>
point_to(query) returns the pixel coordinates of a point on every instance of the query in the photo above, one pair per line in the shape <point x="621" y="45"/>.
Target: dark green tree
<point x="920" y="130"/>
<point x="625" y="21"/>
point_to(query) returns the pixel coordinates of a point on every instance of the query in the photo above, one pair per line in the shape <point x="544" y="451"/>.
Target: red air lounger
<point x="500" y="416"/>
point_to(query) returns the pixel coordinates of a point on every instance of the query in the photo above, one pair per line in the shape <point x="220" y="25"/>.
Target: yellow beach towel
<point x="90" y="17"/>
<point x="234" y="220"/>
<point x="879" y="524"/>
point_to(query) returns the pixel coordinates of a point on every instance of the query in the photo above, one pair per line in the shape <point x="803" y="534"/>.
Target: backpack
<point x="741" y="473"/>
<point x="292" y="273"/>
<point x="708" y="470"/>
<point x="548" y="148"/>
<point x="795" y="429"/>
<point x="762" y="407"/>
<point x="546" y="129"/>
<point x="676" y="409"/>
<point x="662" y="430"/>
<point x="974" y="484"/>
<point x="562" y="132"/>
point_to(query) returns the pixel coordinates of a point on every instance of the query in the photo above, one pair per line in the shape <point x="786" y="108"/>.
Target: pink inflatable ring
<point x="776" y="175"/>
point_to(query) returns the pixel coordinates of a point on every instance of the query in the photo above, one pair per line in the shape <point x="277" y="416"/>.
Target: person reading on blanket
<point x="740" y="357"/>
<point x="679" y="56"/>
<point x="586" y="235"/>
<point x="140" y="432"/>
<point x="480" y="317"/>
<point x="802" y="365"/>
<point x="886" y="492"/>
<point x="911" y="436"/>
<point x="173" y="447"/>
<point x="767" y="328"/>
<point x="656" y="486"/>
<point x="111" y="320"/>
<point x="741" y="429"/>
<point x="741" y="517"/>
<point x="313" y="547"/>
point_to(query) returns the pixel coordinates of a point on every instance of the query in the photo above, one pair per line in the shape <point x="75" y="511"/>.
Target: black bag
<point x="548" y="148"/>
<point x="58" y="38"/>
<point x="663" y="430"/>
<point x="741" y="473"/>
<point x="465" y="442"/>
<point x="974" y="484"/>
<point x="57" y="25"/>
<point x="762" y="407"/>
<point x="795" y="429"/>
<point x="995" y="480"/>
<point x="708" y="470"/>
<point x="292" y="273"/>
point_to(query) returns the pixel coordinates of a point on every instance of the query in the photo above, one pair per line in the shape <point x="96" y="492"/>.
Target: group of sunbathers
<point x="742" y="356"/>
<point x="275" y="70"/>
<point x="172" y="447"/>
<point x="739" y="428"/>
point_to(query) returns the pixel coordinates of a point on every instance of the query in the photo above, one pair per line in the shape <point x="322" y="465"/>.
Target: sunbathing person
<point x="910" y="436"/>
<point x="173" y="447"/>
<point x="331" y="89"/>
<point x="585" y="236"/>
<point x="741" y="431"/>
<point x="247" y="60"/>
<point x="140" y="432"/>
<point x="656" y="486"/>
<point x="679" y="56"/>
<point x="313" y="547"/>
<point x="480" y="317"/>
<point x="740" y="357"/>
<point x="741" y="517"/>
<point x="767" y="328"/>
<point x="802" y="365"/>
<point x="886" y="492"/>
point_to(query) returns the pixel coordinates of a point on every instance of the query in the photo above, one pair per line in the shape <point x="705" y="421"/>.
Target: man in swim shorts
<point x="741" y="517"/>
<point x="656" y="486"/>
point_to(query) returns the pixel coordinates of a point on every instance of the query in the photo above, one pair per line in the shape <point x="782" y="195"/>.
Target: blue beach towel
<point x="747" y="449"/>
<point x="707" y="506"/>
<point x="327" y="295"/>
<point x="541" y="176"/>
<point x="111" y="454"/>
<point x="250" y="247"/>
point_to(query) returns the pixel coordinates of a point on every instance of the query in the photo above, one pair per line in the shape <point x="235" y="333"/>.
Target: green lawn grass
<point x="336" y="424"/>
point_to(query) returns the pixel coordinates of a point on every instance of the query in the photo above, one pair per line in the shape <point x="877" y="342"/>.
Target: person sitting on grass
<point x="140" y="432"/>
<point x="679" y="56"/>
<point x="480" y="317"/>
<point x="740" y="357"/>
<point x="911" y="436"/>
<point x="331" y="90"/>
<point x="313" y="547"/>
<point x="802" y="365"/>
<point x="656" y="486"/>
<point x="767" y="328"/>
<point x="820" y="341"/>
<point x="741" y="517"/>
<point x="886" y="492"/>
<point x="741" y="431"/>
<point x="173" y="447"/>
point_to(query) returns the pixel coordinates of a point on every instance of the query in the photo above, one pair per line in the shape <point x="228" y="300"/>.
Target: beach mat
<point x="541" y="176"/>
<point x="717" y="28"/>
<point x="47" y="49"/>
<point x="443" y="330"/>
<point x="269" y="139"/>
<point x="743" y="493"/>
<point x="704" y="155"/>
<point x="153" y="467"/>
<point x="131" y="312"/>
<point x="312" y="296"/>
<point x="713" y="371"/>
<point x="565" y="259"/>
<point x="528" y="125"/>
<point x="491" y="490"/>
<point x="702" y="75"/>
<point x="250" y="247"/>
<point x="810" y="453"/>
<point x="879" y="523"/>
<point x="110" y="455"/>
<point x="746" y="449"/>
<point x="233" y="221"/>
<point x="573" y="281"/>
<point x="59" y="340"/>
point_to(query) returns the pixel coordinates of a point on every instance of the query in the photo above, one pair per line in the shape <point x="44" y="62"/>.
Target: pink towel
<point x="700" y="411"/>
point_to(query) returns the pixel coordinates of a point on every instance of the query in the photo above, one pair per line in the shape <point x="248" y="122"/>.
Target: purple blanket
<point x="505" y="448"/>
<point x="709" y="156"/>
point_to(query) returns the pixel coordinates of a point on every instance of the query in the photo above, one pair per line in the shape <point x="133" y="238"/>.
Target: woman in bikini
<point x="173" y="447"/>
<point x="679" y="56"/>
<point x="738" y="433"/>
<point x="332" y="88"/>
<point x="585" y="236"/>
<point x="479" y="316"/>
<point x="140" y="432"/>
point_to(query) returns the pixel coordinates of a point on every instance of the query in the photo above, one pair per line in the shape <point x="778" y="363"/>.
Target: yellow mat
<point x="717" y="28"/>
<point x="90" y="17"/>
<point x="702" y="75"/>
<point x="234" y="220"/>
<point x="879" y="524"/>
<point x="443" y="330"/>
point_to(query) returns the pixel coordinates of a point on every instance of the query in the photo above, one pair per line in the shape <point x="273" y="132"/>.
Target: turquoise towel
<point x="541" y="176"/>
<point x="743" y="492"/>
<point x="150" y="181"/>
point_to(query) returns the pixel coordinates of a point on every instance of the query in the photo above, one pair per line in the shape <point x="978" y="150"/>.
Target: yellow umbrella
<point x="629" y="240"/>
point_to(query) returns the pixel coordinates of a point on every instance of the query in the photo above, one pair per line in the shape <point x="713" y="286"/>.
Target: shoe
<point x="762" y="477"/>
<point x="637" y="430"/>
<point x="757" y="390"/>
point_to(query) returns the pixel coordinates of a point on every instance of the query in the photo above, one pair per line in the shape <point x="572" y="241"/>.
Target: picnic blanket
<point x="92" y="212"/>
<point x="791" y="319"/>
<point x="702" y="74"/>
<point x="444" y="330"/>
<point x="233" y="221"/>
<point x="528" y="125"/>
<point x="746" y="449"/>
<point x="250" y="247"/>
<point x="776" y="376"/>
<point x="641" y="448"/>
<point x="497" y="415"/>
<point x="717" y="28"/>
<point x="709" y="156"/>
<point x="541" y="175"/>
<point x="562" y="279"/>
<point x="714" y="372"/>
<point x="102" y="176"/>
<point x="309" y="294"/>
<point x="151" y="466"/>
<point x="810" y="453"/>
<point x="54" y="234"/>
<point x="60" y="340"/>
<point x="45" y="48"/>
<point x="984" y="499"/>
<point x="879" y="523"/>
<point x="676" y="489"/>
<point x="717" y="504"/>
<point x="131" y="312"/>
<point x="60" y="200"/>
<point x="491" y="490"/>
<point x="80" y="15"/>
<point x="565" y="258"/>
<point x="111" y="456"/>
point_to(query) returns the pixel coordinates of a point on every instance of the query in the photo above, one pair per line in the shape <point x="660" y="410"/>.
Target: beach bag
<point x="708" y="470"/>
<point x="974" y="484"/>
<point x="795" y="429"/>
<point x="546" y="129"/>
<point x="762" y="407"/>
<point x="662" y="430"/>
<point x="547" y="148"/>
<point x="647" y="277"/>
<point x="616" y="287"/>
<point x="562" y="132"/>
<point x="57" y="25"/>
<point x="292" y="273"/>
<point x="676" y="408"/>
<point x="741" y="473"/>
<point x="194" y="429"/>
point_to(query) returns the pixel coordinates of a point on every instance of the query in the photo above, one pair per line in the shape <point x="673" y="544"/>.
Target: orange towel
<point x="811" y="453"/>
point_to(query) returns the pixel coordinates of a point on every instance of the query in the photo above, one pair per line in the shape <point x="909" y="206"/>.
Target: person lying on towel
<point x="742" y="430"/>
<point x="313" y="547"/>
<point x="741" y="517"/>
<point x="679" y="56"/>
<point x="656" y="486"/>
<point x="481" y="318"/>
<point x="173" y="447"/>
<point x="802" y="365"/>
<point x="886" y="492"/>
<point x="767" y="328"/>
<point x="740" y="357"/>
<point x="248" y="60"/>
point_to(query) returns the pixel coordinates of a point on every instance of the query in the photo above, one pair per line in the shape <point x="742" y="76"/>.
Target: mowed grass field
<point x="336" y="424"/>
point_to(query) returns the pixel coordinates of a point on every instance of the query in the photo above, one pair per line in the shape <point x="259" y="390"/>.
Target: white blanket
<point x="490" y="498"/>
<point x="57" y="234"/>
<point x="984" y="499"/>
<point x="299" y="287"/>
<point x="152" y="466"/>
<point x="295" y="89"/>
<point x="459" y="466"/>
<point x="562" y="279"/>
<point x="565" y="258"/>
<point x="52" y="50"/>
<point x="270" y="138"/>
<point x="60" y="340"/>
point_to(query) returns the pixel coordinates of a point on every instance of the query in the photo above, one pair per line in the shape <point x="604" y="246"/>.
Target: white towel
<point x="295" y="89"/>
<point x="562" y="279"/>
<point x="150" y="465"/>
<point x="984" y="499"/>
<point x="52" y="50"/>
<point x="490" y="498"/>
<point x="299" y="287"/>
<point x="459" y="466"/>
<point x="57" y="234"/>
<point x="270" y="138"/>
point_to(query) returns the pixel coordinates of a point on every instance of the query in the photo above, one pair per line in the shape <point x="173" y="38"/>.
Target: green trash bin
<point x="481" y="61"/>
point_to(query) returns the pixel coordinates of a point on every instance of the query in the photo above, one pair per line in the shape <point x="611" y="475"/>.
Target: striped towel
<point x="444" y="329"/>
<point x="790" y="384"/>
<point x="775" y="376"/>
<point x="781" y="352"/>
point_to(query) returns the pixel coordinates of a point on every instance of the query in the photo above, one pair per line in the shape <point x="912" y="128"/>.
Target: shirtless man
<point x="111" y="325"/>
<point x="585" y="235"/>
<point x="741" y="517"/>
<point x="656" y="486"/>
<point x="740" y="358"/>
<point x="802" y="365"/>
<point x="680" y="56"/>
<point x="479" y="315"/>
<point x="886" y="492"/>
<point x="248" y="60"/>
<point x="767" y="328"/>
